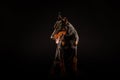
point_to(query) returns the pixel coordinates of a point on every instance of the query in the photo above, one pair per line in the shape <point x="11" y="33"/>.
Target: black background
<point x="25" y="41"/>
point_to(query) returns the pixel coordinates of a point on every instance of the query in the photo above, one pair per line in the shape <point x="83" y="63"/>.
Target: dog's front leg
<point x="75" y="61"/>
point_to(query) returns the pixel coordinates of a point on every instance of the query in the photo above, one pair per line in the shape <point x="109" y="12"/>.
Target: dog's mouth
<point x="58" y="36"/>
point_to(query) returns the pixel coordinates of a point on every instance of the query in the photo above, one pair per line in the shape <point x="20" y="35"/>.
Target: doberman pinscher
<point x="66" y="38"/>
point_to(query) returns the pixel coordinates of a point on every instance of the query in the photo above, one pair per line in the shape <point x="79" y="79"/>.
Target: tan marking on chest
<point x="63" y="43"/>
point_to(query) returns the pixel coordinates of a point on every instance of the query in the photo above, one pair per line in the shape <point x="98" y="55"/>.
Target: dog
<point x="66" y="39"/>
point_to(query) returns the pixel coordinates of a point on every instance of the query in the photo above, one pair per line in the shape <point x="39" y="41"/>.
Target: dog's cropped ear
<point x="65" y="20"/>
<point x="59" y="17"/>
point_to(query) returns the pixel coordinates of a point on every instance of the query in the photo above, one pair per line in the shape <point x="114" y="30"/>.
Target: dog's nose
<point x="51" y="37"/>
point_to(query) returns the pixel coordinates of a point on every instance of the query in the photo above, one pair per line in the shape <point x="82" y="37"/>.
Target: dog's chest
<point x="68" y="40"/>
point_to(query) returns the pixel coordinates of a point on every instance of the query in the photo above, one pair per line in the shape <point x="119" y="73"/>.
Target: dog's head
<point x="60" y="28"/>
